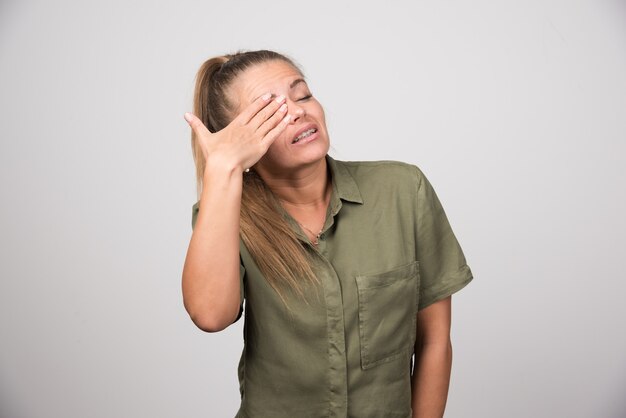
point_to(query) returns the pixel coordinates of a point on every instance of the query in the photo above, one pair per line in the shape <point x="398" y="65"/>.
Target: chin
<point x="291" y="158"/>
<point x="314" y="152"/>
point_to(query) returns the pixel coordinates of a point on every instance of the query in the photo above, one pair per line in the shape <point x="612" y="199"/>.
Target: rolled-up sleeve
<point x="442" y="264"/>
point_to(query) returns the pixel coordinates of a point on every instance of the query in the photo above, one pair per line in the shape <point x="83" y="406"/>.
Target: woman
<point x="347" y="268"/>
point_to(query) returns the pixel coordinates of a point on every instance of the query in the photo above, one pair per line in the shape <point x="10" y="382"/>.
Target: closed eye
<point x="305" y="98"/>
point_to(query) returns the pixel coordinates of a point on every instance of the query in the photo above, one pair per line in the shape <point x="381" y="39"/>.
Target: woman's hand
<point x="247" y="138"/>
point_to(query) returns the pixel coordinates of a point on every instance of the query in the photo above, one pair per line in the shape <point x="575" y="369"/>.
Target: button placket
<point x="336" y="337"/>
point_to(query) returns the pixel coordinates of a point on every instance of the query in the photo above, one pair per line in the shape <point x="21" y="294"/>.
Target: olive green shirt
<point x="386" y="251"/>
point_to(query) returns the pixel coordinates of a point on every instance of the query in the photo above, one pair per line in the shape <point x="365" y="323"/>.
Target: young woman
<point x="347" y="268"/>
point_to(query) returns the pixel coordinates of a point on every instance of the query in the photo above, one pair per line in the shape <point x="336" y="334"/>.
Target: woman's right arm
<point x="211" y="272"/>
<point x="210" y="280"/>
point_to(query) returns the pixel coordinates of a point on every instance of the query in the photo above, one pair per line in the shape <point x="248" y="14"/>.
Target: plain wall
<point x="514" y="110"/>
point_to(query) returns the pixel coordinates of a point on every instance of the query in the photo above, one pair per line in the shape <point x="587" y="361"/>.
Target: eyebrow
<point x="296" y="82"/>
<point x="291" y="85"/>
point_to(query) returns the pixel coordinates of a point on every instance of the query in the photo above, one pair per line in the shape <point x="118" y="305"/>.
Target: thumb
<point x="195" y="124"/>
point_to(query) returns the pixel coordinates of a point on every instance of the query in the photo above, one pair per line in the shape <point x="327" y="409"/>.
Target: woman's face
<point x="279" y="78"/>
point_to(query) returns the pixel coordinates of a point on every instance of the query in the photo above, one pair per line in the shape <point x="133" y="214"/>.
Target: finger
<point x="274" y="133"/>
<point x="274" y="119"/>
<point x="253" y="108"/>
<point x="196" y="124"/>
<point x="266" y="113"/>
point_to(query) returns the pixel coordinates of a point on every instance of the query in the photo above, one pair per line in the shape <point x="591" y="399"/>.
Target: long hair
<point x="272" y="243"/>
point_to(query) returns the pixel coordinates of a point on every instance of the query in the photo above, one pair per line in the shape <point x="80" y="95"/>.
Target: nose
<point x="296" y="112"/>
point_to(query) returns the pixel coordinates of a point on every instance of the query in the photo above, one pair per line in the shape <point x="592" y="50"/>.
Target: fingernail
<point x="280" y="98"/>
<point x="286" y="118"/>
<point x="188" y="117"/>
<point x="283" y="107"/>
<point x="266" y="96"/>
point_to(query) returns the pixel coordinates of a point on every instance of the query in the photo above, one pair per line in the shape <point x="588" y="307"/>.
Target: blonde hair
<point x="271" y="241"/>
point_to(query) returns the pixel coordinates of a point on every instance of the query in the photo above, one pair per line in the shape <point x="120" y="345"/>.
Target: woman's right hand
<point x="247" y="138"/>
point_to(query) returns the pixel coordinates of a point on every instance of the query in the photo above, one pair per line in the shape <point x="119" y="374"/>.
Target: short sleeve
<point x="242" y="270"/>
<point x="442" y="266"/>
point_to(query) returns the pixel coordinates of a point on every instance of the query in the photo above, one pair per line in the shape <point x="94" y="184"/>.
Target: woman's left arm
<point x="433" y="360"/>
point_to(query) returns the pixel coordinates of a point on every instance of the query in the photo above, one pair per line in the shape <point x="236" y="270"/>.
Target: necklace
<point x="317" y="236"/>
<point x="316" y="239"/>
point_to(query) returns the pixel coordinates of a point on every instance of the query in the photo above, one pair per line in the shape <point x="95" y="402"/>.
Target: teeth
<point x="304" y="134"/>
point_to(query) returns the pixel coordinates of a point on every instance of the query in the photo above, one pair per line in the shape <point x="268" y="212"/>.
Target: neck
<point x="307" y="187"/>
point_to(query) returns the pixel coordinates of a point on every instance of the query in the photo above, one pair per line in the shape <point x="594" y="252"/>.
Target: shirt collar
<point x="344" y="185"/>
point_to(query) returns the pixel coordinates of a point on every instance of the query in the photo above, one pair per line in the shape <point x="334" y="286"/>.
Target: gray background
<point x="515" y="111"/>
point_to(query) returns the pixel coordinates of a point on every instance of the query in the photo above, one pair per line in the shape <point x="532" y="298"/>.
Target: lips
<point x="306" y="132"/>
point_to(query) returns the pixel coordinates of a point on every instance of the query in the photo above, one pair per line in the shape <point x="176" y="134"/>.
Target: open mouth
<point x="304" y="134"/>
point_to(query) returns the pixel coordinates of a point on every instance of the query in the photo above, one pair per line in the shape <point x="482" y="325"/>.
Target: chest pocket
<point x="387" y="314"/>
